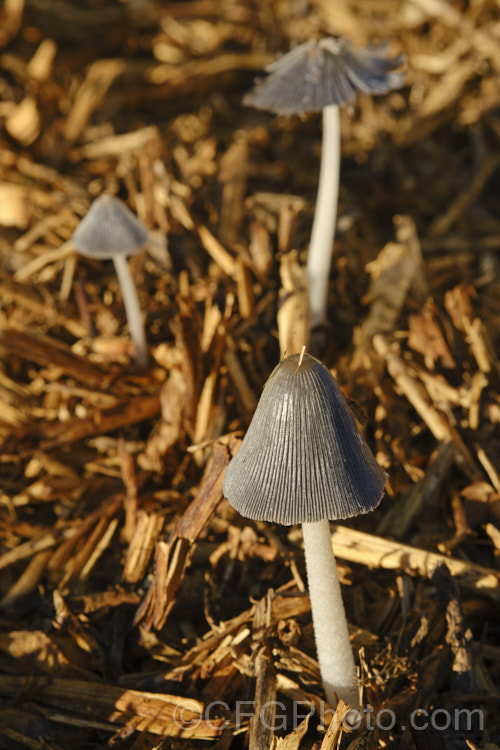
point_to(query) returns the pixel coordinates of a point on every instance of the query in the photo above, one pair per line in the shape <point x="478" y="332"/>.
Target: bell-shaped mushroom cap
<point x="303" y="458"/>
<point x="109" y="228"/>
<point x="319" y="73"/>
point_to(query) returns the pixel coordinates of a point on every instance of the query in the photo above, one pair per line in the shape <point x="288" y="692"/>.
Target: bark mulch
<point x="137" y="609"/>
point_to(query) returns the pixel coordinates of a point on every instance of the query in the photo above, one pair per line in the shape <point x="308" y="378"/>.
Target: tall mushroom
<point x="110" y="230"/>
<point x="315" y="76"/>
<point x="304" y="461"/>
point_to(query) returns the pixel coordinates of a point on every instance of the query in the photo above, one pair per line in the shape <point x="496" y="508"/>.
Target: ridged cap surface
<point x="109" y="228"/>
<point x="303" y="458"/>
<point x="316" y="74"/>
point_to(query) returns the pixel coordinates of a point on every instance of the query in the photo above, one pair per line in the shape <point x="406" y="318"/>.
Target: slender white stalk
<point x="132" y="309"/>
<point x="325" y="215"/>
<point x="334" y="649"/>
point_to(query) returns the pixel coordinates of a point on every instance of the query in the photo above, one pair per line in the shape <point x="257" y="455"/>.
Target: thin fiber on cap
<point x="319" y="73"/>
<point x="109" y="228"/>
<point x="303" y="458"/>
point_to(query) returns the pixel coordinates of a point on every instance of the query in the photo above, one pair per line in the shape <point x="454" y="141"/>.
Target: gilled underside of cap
<point x="109" y="228"/>
<point x="303" y="458"/>
<point x="317" y="74"/>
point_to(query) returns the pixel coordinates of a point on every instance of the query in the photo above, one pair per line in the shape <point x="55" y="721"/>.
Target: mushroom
<point x="110" y="230"/>
<point x="314" y="76"/>
<point x="303" y="460"/>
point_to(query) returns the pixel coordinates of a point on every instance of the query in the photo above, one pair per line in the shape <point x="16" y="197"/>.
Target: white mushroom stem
<point x="132" y="309"/>
<point x="333" y="646"/>
<point x="325" y="215"/>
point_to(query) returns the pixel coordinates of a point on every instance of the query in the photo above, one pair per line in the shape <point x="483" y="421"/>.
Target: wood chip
<point x="13" y="205"/>
<point x="23" y="123"/>
<point x="233" y="177"/>
<point x="216" y="251"/>
<point x="239" y="379"/>
<point x="173" y="558"/>
<point x="98" y="79"/>
<point x="173" y="400"/>
<point x="458" y="635"/>
<point x="417" y="396"/>
<point x="426" y="337"/>
<point x="458" y="302"/>
<point x="373" y="551"/>
<point x="159" y="714"/>
<point x="141" y="547"/>
<point x="396" y="269"/>
<point x="424" y="494"/>
<point x="293" y="310"/>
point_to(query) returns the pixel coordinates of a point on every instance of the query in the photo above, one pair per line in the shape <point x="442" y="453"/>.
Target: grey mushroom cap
<point x="303" y="458"/>
<point x="317" y="74"/>
<point x="109" y="228"/>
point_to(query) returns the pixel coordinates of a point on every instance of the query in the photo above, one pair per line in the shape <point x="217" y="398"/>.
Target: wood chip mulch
<point x="138" y="610"/>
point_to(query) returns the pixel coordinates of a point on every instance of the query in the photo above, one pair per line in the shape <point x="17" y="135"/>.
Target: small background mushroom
<point x="110" y="230"/>
<point x="320" y="76"/>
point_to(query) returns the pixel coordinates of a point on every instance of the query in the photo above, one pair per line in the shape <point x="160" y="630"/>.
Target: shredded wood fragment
<point x="416" y="394"/>
<point x="172" y="559"/>
<point x="397" y="268"/>
<point x="373" y="551"/>
<point x="155" y="712"/>
<point x="293" y="312"/>
<point x="98" y="79"/>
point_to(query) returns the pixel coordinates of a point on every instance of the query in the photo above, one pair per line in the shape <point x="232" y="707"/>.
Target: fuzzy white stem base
<point x="334" y="649"/>
<point x="325" y="215"/>
<point x="132" y="309"/>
